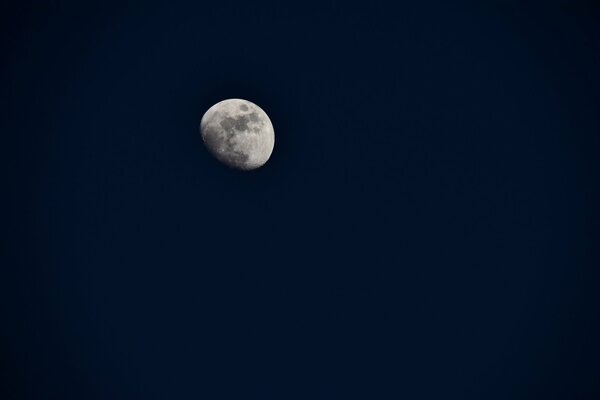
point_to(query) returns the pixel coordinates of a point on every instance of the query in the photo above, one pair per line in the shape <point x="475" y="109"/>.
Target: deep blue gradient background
<point x="426" y="227"/>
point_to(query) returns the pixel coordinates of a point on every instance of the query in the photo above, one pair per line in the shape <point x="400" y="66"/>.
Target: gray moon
<point x="238" y="133"/>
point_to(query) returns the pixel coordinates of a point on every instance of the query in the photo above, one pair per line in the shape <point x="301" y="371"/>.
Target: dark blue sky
<point x="426" y="227"/>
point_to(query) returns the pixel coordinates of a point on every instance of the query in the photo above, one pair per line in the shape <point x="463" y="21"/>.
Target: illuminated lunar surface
<point x="238" y="133"/>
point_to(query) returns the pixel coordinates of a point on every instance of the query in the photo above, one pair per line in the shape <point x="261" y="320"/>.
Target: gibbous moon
<point x="238" y="133"/>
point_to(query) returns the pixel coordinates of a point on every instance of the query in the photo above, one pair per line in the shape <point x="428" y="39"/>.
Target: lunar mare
<point x="238" y="133"/>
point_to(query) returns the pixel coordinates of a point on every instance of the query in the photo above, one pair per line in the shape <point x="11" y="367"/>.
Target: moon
<point x="238" y="133"/>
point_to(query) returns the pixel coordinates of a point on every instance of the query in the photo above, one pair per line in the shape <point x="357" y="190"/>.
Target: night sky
<point x="426" y="227"/>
